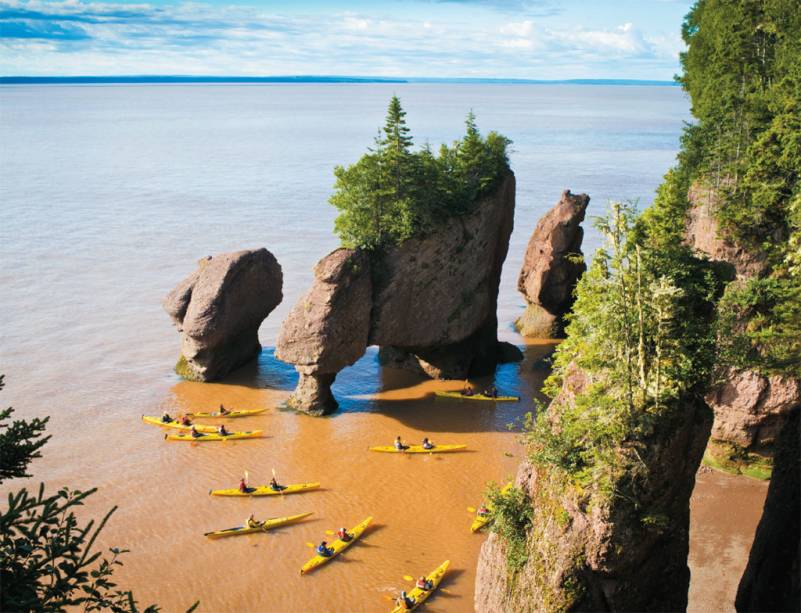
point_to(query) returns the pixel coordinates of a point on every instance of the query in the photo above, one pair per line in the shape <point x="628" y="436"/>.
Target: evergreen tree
<point x="393" y="192"/>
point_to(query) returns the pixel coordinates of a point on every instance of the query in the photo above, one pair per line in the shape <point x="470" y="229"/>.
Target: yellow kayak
<point x="262" y="526"/>
<point x="419" y="449"/>
<point x="233" y="436"/>
<point x="156" y="421"/>
<point x="240" y="413"/>
<point x="338" y="546"/>
<point x="461" y="396"/>
<point x="482" y="520"/>
<point x="419" y="595"/>
<point x="265" y="490"/>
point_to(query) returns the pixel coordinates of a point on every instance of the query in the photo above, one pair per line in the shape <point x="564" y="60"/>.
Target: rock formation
<point x="548" y="275"/>
<point x="328" y="328"/>
<point x="772" y="578"/>
<point x="218" y="310"/>
<point x="750" y="408"/>
<point x="429" y="303"/>
<point x="612" y="556"/>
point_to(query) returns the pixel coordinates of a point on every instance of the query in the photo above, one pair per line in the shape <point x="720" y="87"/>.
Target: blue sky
<point x="535" y="39"/>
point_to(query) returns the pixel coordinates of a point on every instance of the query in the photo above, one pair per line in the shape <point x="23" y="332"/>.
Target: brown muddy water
<point x="110" y="194"/>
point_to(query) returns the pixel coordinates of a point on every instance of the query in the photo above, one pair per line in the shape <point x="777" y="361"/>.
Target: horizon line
<point x="166" y="79"/>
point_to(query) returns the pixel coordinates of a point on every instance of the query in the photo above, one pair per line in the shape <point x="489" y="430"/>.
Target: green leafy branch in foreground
<point x="511" y="514"/>
<point x="20" y="442"/>
<point x="47" y="558"/>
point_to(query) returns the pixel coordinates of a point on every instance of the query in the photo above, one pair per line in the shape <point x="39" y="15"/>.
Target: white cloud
<point x="108" y="38"/>
<point x="521" y="29"/>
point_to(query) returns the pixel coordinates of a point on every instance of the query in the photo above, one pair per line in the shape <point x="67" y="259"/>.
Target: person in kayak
<point x="406" y="601"/>
<point x="483" y="511"/>
<point x="427" y="444"/>
<point x="243" y="486"/>
<point x="252" y="523"/>
<point x="185" y="421"/>
<point x="165" y="418"/>
<point x="324" y="550"/>
<point x="491" y="392"/>
<point x="424" y="584"/>
<point x="399" y="444"/>
<point x="223" y="410"/>
<point x="222" y="431"/>
<point x="467" y="390"/>
<point x="342" y="535"/>
<point x="275" y="486"/>
<point x="193" y="431"/>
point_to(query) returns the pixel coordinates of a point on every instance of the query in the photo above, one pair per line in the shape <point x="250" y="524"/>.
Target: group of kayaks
<point x="195" y="432"/>
<point x="199" y="433"/>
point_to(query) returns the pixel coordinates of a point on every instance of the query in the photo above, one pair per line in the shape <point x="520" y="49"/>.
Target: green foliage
<point x="47" y="558"/>
<point x="48" y="562"/>
<point x="731" y="458"/>
<point x="393" y="193"/>
<point x="657" y="522"/>
<point x="639" y="336"/>
<point x="20" y="443"/>
<point x="511" y="513"/>
<point x="742" y="70"/>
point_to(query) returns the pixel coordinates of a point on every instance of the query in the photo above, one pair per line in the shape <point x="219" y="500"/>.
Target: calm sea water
<point x="109" y="195"/>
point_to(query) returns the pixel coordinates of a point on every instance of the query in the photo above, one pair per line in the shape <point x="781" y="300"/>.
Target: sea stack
<point x="429" y="303"/>
<point x="218" y="310"/>
<point x="550" y="271"/>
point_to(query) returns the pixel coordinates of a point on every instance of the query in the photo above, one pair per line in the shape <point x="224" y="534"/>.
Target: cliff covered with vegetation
<point x="699" y="292"/>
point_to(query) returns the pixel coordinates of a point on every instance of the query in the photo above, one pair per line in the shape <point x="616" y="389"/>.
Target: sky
<point x="526" y="39"/>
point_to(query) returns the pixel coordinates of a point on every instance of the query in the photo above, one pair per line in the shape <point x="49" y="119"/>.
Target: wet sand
<point x="725" y="510"/>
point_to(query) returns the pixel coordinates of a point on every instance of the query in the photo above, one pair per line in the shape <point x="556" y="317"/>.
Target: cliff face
<point x="612" y="556"/>
<point x="429" y="303"/>
<point x="772" y="579"/>
<point x="218" y="310"/>
<point x="547" y="278"/>
<point x="750" y="408"/>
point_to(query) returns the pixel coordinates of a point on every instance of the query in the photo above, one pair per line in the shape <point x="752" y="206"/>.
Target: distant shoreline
<point x="187" y="79"/>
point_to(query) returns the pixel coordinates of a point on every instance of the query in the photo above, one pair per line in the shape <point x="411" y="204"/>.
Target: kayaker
<point x="193" y="431"/>
<point x="399" y="444"/>
<point x="222" y="431"/>
<point x="342" y="535"/>
<point x="223" y="410"/>
<point x="251" y="522"/>
<point x="406" y="601"/>
<point x="483" y="511"/>
<point x="491" y="392"/>
<point x="165" y="418"/>
<point x="467" y="390"/>
<point x="424" y="584"/>
<point x="324" y="550"/>
<point x="274" y="486"/>
<point x="427" y="444"/>
<point x="243" y="486"/>
<point x="185" y="421"/>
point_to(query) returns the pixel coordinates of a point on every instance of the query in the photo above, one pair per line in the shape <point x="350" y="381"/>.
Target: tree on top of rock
<point x="393" y="193"/>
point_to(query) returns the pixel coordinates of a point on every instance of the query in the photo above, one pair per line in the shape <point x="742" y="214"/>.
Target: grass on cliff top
<point x="730" y="458"/>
